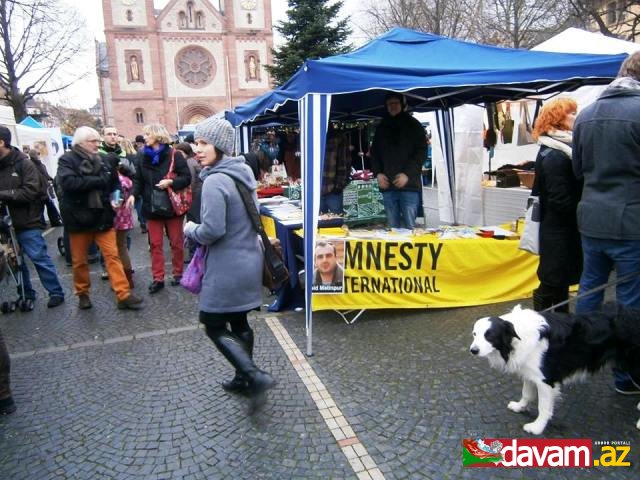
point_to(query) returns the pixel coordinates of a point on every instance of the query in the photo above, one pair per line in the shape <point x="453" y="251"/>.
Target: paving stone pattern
<point x="110" y="394"/>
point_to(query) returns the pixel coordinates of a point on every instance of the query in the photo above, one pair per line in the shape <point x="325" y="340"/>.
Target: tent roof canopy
<point x="434" y="72"/>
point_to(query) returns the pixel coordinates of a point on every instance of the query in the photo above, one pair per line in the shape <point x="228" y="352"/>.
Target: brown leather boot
<point x="129" y="274"/>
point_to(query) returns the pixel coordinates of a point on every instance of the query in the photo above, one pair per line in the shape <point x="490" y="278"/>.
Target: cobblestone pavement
<point x="110" y="394"/>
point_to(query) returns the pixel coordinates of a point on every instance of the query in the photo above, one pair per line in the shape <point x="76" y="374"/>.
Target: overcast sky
<point x="84" y="93"/>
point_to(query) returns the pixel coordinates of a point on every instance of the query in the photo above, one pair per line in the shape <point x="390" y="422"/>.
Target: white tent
<point x="473" y="160"/>
<point x="575" y="40"/>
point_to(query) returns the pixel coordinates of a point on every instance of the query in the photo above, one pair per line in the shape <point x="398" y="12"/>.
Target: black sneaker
<point x="54" y="301"/>
<point x="176" y="281"/>
<point x="84" y="302"/>
<point x="155" y="287"/>
<point x="7" y="406"/>
<point x="627" y="387"/>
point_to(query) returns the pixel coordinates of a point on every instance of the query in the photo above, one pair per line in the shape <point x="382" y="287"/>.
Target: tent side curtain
<point x="314" y="113"/>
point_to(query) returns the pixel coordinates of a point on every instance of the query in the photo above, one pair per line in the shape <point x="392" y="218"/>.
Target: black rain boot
<point x="235" y="351"/>
<point x="238" y="384"/>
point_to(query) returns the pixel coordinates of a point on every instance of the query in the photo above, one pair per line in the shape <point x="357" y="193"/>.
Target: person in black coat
<point x="559" y="192"/>
<point x="154" y="163"/>
<point x="88" y="183"/>
<point x="397" y="154"/>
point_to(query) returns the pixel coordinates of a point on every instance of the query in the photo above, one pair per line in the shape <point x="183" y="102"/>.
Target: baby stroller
<point x="11" y="263"/>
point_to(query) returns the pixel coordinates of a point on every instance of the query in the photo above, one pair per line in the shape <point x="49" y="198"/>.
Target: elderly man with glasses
<point x="88" y="182"/>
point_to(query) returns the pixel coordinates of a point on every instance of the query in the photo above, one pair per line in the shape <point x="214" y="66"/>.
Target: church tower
<point x="181" y="64"/>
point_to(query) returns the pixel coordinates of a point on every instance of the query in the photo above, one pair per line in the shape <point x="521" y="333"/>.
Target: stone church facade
<point x="183" y="63"/>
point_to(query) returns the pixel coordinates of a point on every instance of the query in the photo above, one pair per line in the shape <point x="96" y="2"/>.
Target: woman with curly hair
<point x="559" y="192"/>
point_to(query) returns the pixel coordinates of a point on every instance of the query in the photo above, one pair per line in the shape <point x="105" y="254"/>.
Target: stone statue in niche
<point x="253" y="68"/>
<point x="134" y="68"/>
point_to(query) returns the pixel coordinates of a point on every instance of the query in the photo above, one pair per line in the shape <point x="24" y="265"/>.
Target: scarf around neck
<point x="558" y="140"/>
<point x="90" y="164"/>
<point x="154" y="154"/>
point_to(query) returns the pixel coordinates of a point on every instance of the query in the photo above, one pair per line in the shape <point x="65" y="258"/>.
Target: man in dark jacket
<point x="20" y="191"/>
<point x="397" y="154"/>
<point x="606" y="154"/>
<point x="87" y="183"/>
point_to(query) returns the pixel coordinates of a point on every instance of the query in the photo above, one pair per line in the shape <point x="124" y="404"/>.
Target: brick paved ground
<point x="109" y="394"/>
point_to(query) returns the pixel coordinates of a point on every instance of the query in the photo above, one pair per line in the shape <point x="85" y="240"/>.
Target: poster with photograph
<point x="328" y="270"/>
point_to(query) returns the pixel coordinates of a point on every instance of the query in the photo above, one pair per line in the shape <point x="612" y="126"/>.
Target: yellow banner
<point x="426" y="272"/>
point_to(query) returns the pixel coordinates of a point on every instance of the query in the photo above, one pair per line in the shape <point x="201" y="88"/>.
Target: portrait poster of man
<point x="328" y="271"/>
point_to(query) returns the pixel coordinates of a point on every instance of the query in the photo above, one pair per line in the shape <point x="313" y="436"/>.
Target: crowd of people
<point x="100" y="182"/>
<point x="587" y="177"/>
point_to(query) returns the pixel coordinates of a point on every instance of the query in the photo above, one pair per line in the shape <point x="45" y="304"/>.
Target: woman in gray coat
<point x="232" y="282"/>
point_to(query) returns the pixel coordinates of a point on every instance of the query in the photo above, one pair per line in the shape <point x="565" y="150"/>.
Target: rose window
<point x="195" y="66"/>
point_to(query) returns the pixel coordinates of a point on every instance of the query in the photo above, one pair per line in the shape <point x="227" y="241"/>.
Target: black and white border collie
<point x="549" y="349"/>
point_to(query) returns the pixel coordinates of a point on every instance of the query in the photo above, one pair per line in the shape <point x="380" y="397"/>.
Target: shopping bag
<point x="530" y="238"/>
<point x="525" y="130"/>
<point x="192" y="276"/>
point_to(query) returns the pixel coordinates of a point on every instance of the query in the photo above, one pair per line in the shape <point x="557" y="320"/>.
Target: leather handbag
<point x="180" y="200"/>
<point x="275" y="272"/>
<point x="160" y="203"/>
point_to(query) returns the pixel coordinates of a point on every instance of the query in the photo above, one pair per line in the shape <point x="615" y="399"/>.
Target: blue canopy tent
<point x="29" y="121"/>
<point x="434" y="72"/>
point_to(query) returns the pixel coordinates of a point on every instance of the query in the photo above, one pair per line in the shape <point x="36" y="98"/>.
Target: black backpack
<point x="43" y="182"/>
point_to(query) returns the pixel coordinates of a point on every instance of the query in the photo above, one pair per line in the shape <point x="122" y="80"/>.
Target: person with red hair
<point x="559" y="192"/>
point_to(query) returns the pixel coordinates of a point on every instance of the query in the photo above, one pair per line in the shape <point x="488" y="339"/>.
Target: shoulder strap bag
<point x="180" y="200"/>
<point x="275" y="272"/>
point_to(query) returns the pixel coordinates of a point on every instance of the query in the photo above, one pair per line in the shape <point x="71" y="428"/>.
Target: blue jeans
<point x="33" y="246"/>
<point x="401" y="208"/>
<point x="600" y="257"/>
<point x="138" y="207"/>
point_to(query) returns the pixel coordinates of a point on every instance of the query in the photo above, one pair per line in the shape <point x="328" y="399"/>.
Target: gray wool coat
<point x="232" y="280"/>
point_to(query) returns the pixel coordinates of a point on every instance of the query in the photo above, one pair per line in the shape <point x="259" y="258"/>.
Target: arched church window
<point x="182" y="20"/>
<point x="199" y="20"/>
<point x="190" y="11"/>
<point x="139" y="114"/>
<point x="129" y="15"/>
<point x="249" y="19"/>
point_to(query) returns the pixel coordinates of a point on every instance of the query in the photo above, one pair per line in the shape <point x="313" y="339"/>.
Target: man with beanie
<point x="397" y="154"/>
<point x="606" y="154"/>
<point x="232" y="281"/>
<point x="20" y="191"/>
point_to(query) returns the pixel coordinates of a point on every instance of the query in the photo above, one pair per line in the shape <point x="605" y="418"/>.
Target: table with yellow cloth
<point x="428" y="272"/>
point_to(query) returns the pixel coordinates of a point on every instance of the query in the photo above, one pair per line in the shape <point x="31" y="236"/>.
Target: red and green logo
<point x="476" y="453"/>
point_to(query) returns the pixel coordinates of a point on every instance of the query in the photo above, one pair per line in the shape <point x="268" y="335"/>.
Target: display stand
<point x="344" y="313"/>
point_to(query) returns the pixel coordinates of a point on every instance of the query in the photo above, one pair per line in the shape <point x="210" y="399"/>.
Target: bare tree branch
<point x="39" y="39"/>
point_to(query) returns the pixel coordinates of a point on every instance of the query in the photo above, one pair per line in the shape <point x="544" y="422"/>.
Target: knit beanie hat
<point x="216" y="131"/>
